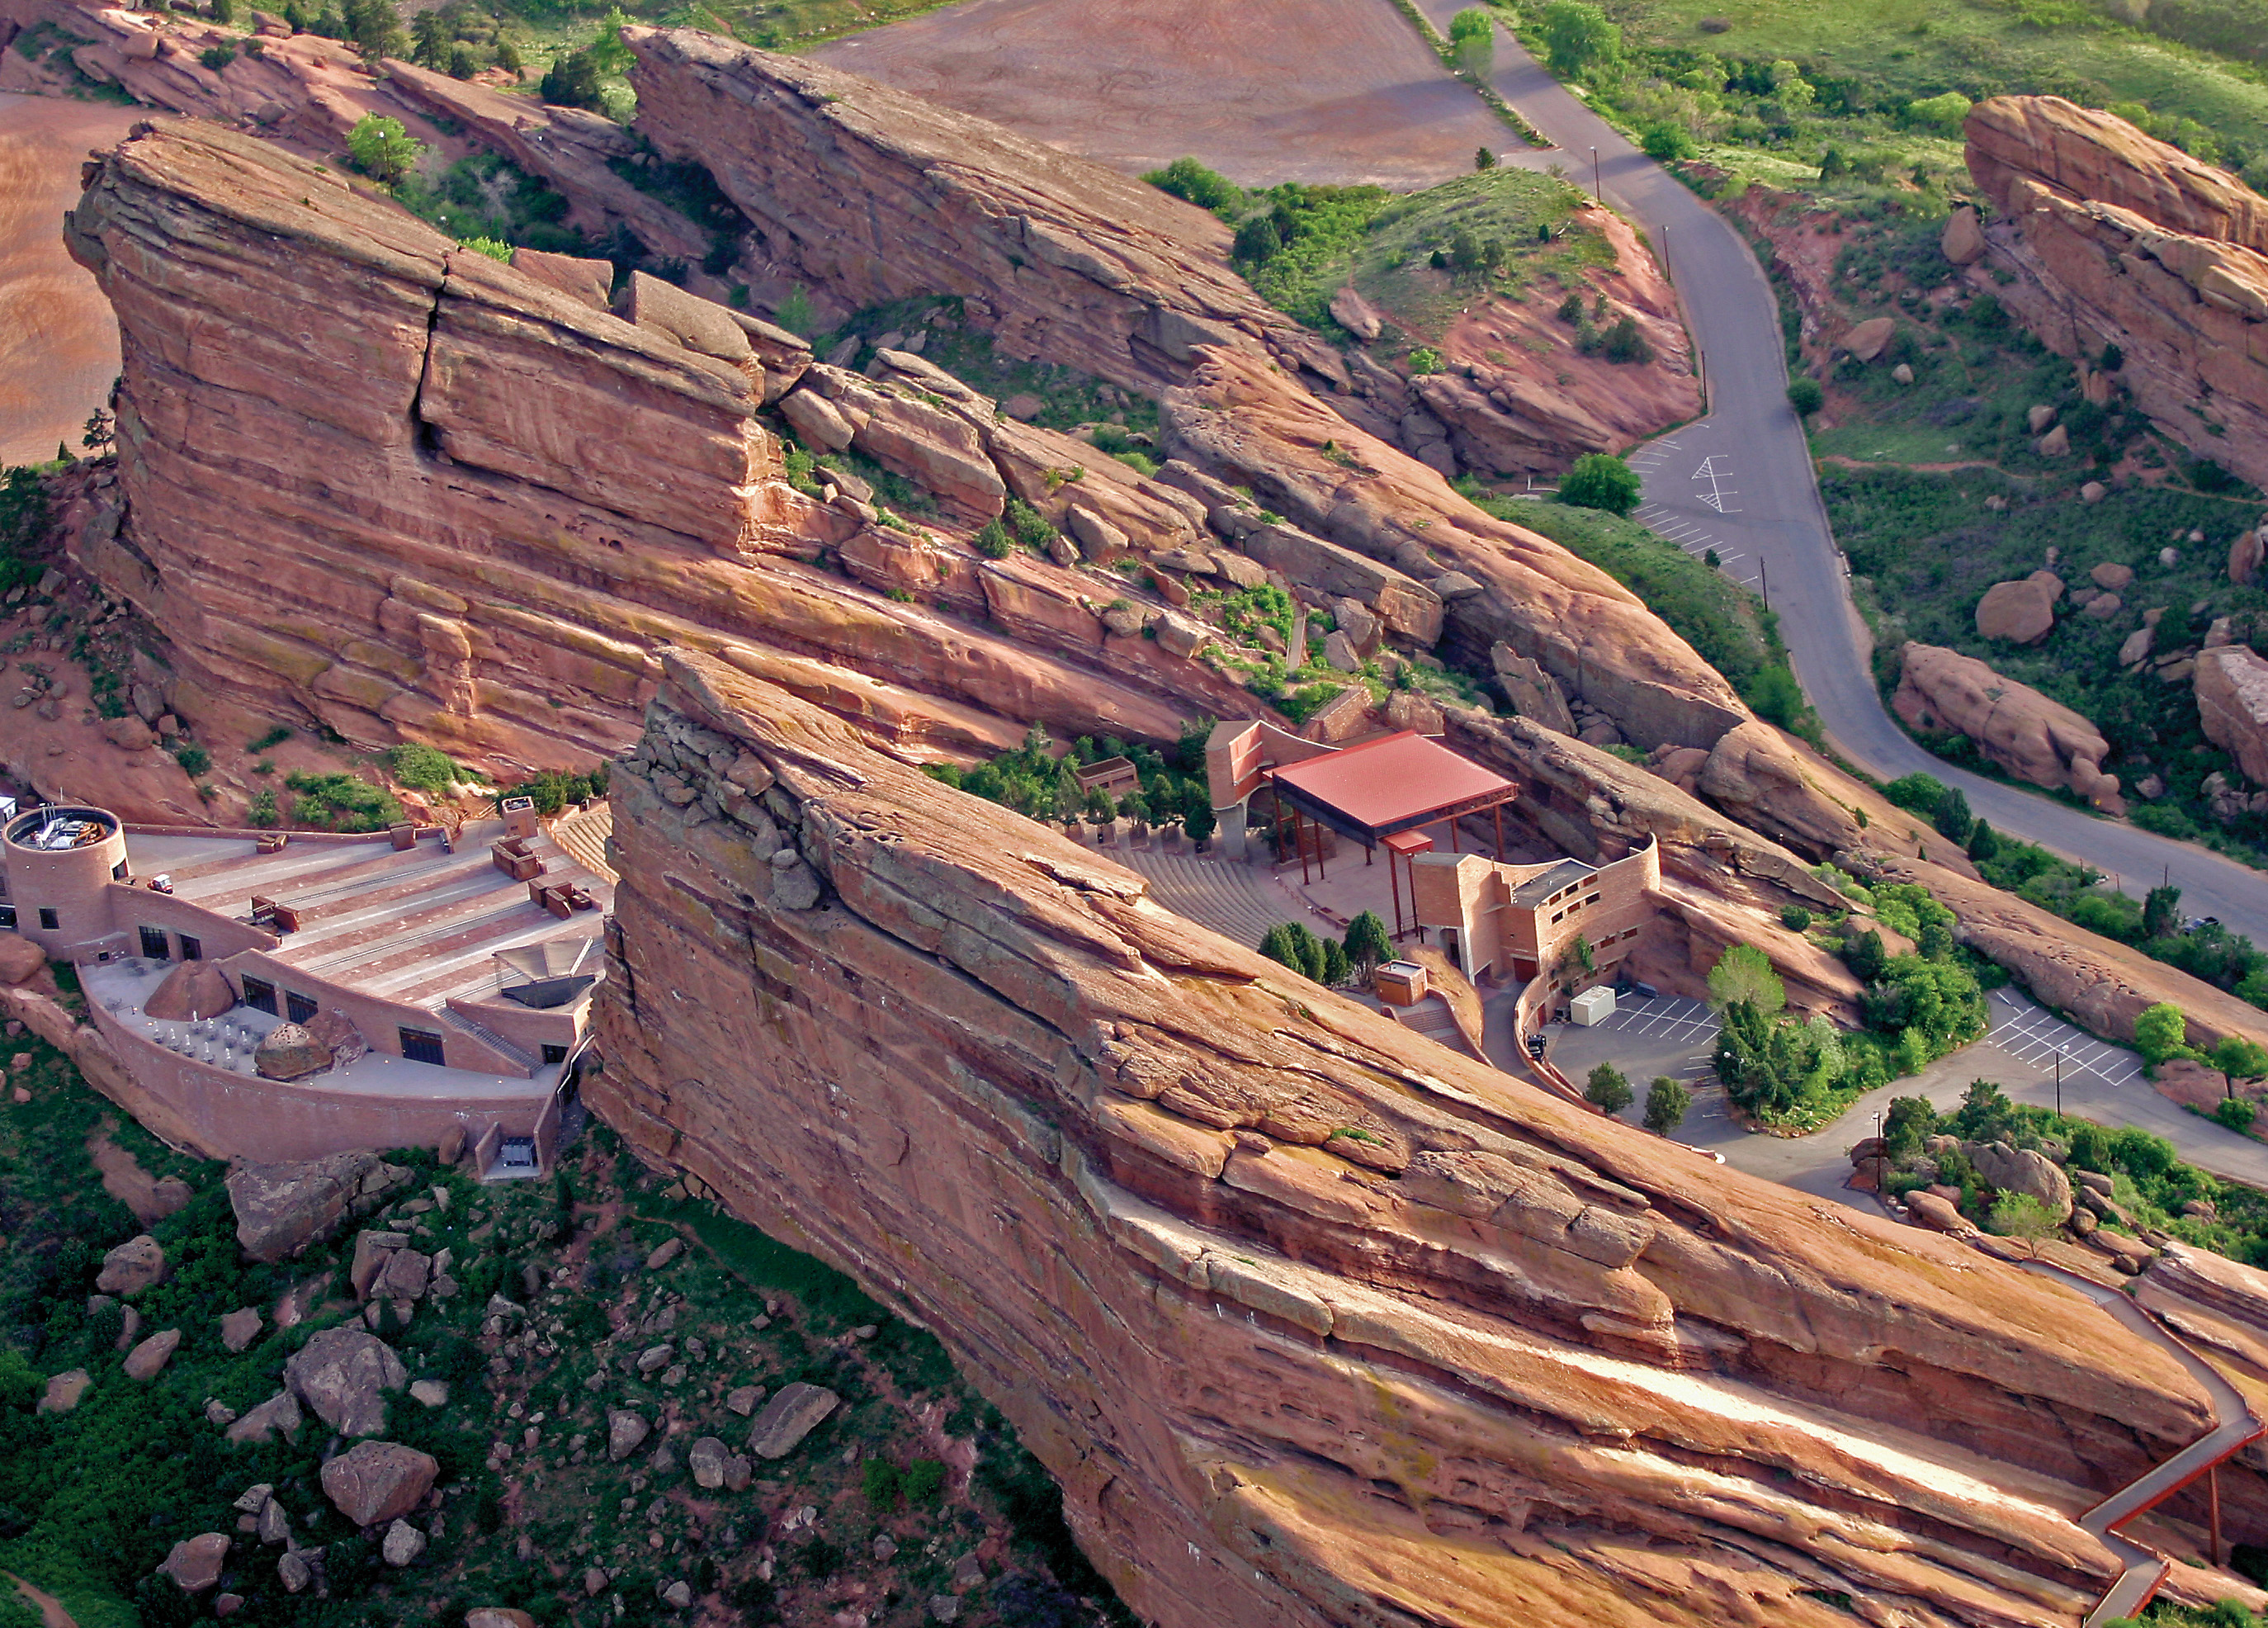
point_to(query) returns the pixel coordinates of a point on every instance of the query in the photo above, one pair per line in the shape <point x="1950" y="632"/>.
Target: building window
<point x="8" y="916"/>
<point x="260" y="995"/>
<point x="192" y="949"/>
<point x="298" y="1007"/>
<point x="153" y="944"/>
<point x="421" y="1046"/>
<point x="118" y="872"/>
<point x="49" y="921"/>
<point x="553" y="1054"/>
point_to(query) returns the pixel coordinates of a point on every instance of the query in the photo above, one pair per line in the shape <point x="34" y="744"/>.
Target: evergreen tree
<point x="1336" y="967"/>
<point x="1607" y="1090"/>
<point x="1983" y="841"/>
<point x="1952" y="817"/>
<point x="1667" y="1104"/>
<point x="2162" y="912"/>
<point x="1368" y="943"/>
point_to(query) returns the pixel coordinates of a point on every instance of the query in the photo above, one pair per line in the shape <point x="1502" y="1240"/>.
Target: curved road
<point x="1767" y="520"/>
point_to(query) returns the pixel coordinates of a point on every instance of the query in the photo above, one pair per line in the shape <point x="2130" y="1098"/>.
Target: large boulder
<point x="374" y="1482"/>
<point x="282" y="1209"/>
<point x="21" y="960"/>
<point x="2023" y="1170"/>
<point x="194" y="1563"/>
<point x="2023" y="613"/>
<point x="148" y="1359"/>
<point x="2245" y="555"/>
<point x="190" y="991"/>
<point x="290" y="1052"/>
<point x="1866" y="341"/>
<point x="2232" y="697"/>
<point x="342" y="1375"/>
<point x="788" y="1417"/>
<point x="1938" y="1215"/>
<point x="2037" y="740"/>
<point x="1962" y="241"/>
<point x="2214" y="1282"/>
<point x="132" y="1267"/>
<point x="278" y="1415"/>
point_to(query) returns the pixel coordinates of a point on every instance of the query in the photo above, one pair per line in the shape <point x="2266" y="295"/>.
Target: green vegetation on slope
<point x="92" y="1500"/>
<point x="1770" y="88"/>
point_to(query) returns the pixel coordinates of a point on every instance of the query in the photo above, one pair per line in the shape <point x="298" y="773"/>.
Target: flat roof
<point x="416" y="925"/>
<point x="1535" y="889"/>
<point x="1393" y="783"/>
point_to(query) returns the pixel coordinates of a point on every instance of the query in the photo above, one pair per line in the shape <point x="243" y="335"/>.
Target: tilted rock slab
<point x="1316" y="1321"/>
<point x="344" y="1376"/>
<point x="424" y="495"/>
<point x="1063" y="257"/>
<point x="2119" y="238"/>
<point x="2038" y="741"/>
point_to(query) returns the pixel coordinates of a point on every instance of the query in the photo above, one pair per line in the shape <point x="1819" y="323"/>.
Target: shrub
<point x="2237" y="1113"/>
<point x="1921" y="793"/>
<point x="342" y="802"/>
<point x="1667" y="1104"/>
<point x="1579" y="41"/>
<point x="263" y="811"/>
<point x="883" y="1484"/>
<point x="381" y="149"/>
<point x="217" y="56"/>
<point x="1472" y="40"/>
<point x="2161" y="1034"/>
<point x="1743" y="975"/>
<point x="193" y="759"/>
<point x="1805" y="397"/>
<point x="1668" y="144"/>
<point x="495" y="248"/>
<point x="1600" y="481"/>
<point x="924" y="1483"/>
<point x="1625" y="343"/>
<point x="1425" y="359"/>
<point x="1193" y="183"/>
<point x="275" y="737"/>
<point x="572" y="81"/>
<point x="2019" y="1215"/>
<point x="1031" y="527"/>
<point x="1794" y="918"/>
<point x="1607" y="1090"/>
<point x="423" y="767"/>
<point x="1942" y="114"/>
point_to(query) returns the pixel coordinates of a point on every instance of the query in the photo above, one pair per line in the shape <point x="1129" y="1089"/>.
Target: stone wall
<point x="1315" y="1321"/>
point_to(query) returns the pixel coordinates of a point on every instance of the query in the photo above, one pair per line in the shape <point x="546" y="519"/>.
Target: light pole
<point x="2058" y="1085"/>
<point x="1596" y="195"/>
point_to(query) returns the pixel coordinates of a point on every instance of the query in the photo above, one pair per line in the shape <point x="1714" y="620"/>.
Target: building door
<point x="260" y="995"/>
<point x="192" y="949"/>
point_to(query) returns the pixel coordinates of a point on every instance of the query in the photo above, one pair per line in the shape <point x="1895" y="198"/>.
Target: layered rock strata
<point x="2039" y="741"/>
<point x="425" y="496"/>
<point x="2232" y="697"/>
<point x="2120" y="240"/>
<point x="877" y="196"/>
<point x="1316" y="1321"/>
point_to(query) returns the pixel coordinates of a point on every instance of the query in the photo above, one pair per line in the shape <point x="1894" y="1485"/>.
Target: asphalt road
<point x="1741" y="481"/>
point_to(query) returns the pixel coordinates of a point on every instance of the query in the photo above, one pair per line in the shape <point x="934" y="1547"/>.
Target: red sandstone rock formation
<point x="421" y="495"/>
<point x="2118" y="238"/>
<point x="2231" y="697"/>
<point x="2036" y="740"/>
<point x="1315" y="1321"/>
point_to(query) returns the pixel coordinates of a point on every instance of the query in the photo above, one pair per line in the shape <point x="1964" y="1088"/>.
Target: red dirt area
<point x="1327" y="91"/>
<point x="58" y="341"/>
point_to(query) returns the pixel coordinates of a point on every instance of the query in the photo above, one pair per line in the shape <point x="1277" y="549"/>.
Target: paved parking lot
<point x="2033" y="1035"/>
<point x="1643" y="1038"/>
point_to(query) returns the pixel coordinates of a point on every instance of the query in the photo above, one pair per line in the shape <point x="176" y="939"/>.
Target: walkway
<point x="1741" y="480"/>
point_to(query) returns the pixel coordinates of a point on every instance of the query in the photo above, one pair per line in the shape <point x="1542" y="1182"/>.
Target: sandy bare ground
<point x="58" y="341"/>
<point x="1323" y="91"/>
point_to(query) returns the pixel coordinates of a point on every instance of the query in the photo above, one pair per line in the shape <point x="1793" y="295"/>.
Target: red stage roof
<point x="1394" y="780"/>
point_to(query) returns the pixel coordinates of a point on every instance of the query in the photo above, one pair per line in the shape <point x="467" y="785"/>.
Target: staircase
<point x="520" y="1056"/>
<point x="583" y="837"/>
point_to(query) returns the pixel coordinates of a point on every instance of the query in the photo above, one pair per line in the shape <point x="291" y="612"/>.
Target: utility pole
<point x="1596" y="195"/>
<point x="1763" y="576"/>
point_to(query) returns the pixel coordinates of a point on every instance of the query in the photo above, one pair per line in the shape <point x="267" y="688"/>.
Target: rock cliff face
<point x="1316" y="1321"/>
<point x="876" y="195"/>
<point x="2118" y="238"/>
<point x="373" y="477"/>
<point x="2231" y="697"/>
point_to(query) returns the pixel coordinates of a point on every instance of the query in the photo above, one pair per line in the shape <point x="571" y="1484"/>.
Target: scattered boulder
<point x="677" y="1595"/>
<point x="290" y="1052"/>
<point x="2244" y="557"/>
<point x="664" y="1253"/>
<point x="2023" y="1170"/>
<point x="2138" y="646"/>
<point x="498" y="1616"/>
<point x="2037" y="740"/>
<point x="373" y="1482"/>
<point x="283" y="1208"/>
<point x="133" y="1266"/>
<point x="788" y="1417"/>
<point x="64" y="1390"/>
<point x="706" y="1460"/>
<point x="194" y="1563"/>
<point x="148" y="1359"/>
<point x="342" y="1375"/>
<point x="21" y="960"/>
<point x="2055" y="444"/>
<point x="2023" y="613"/>
<point x="625" y="1432"/>
<point x="1962" y="241"/>
<point x="279" y="1415"/>
<point x="2231" y="698"/>
<point x="239" y="1328"/>
<point x="2113" y="576"/>
<point x="1352" y="312"/>
<point x="193" y="991"/>
<point x="742" y="1400"/>
<point x="128" y="733"/>
<point x="1938" y="1215"/>
<point x="429" y="1393"/>
<point x="402" y="1544"/>
<point x="295" y="1569"/>
<point x="2093" y="491"/>
<point x="2102" y="607"/>
<point x="2039" y="417"/>
<point x="1865" y="342"/>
